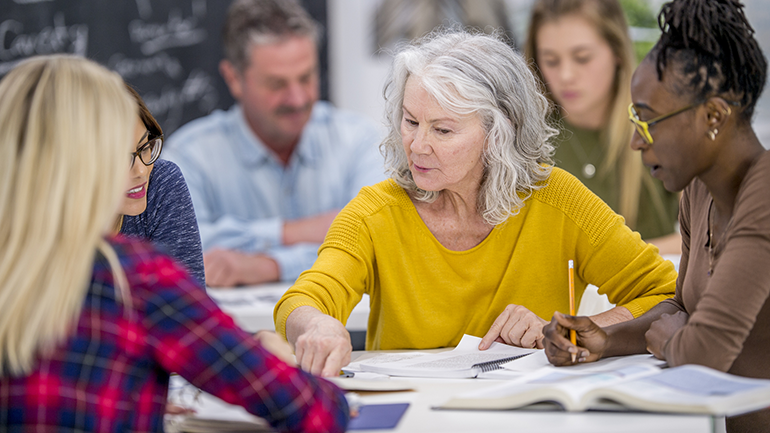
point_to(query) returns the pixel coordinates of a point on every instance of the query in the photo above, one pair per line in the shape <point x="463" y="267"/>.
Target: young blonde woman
<point x="90" y="327"/>
<point x="583" y="54"/>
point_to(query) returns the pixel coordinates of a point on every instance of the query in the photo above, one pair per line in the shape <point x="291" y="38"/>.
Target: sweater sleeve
<point x="343" y="271"/>
<point x="628" y="270"/>
<point x="190" y="335"/>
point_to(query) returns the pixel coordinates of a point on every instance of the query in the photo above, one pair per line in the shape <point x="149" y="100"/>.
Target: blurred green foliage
<point x="640" y="14"/>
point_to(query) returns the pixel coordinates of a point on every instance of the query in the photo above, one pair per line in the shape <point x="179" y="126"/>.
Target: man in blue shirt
<point x="268" y="176"/>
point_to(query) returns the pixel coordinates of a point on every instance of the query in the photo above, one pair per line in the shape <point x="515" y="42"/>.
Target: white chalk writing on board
<point x="177" y="31"/>
<point x="57" y="38"/>
<point x="159" y="63"/>
<point x="171" y="100"/>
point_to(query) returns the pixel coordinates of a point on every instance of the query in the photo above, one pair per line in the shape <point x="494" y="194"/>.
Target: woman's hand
<point x="322" y="344"/>
<point x="276" y="345"/>
<point x="591" y="340"/>
<point x="516" y="326"/>
<point x="174" y="409"/>
<point x="662" y="330"/>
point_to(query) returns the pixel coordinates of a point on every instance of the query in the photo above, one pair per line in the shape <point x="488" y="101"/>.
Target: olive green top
<point x="577" y="147"/>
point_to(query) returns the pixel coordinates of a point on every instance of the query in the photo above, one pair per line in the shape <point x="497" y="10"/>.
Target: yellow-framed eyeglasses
<point x="643" y="128"/>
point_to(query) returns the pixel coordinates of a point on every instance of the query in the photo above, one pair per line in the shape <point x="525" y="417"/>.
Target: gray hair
<point x="261" y="22"/>
<point x="477" y="74"/>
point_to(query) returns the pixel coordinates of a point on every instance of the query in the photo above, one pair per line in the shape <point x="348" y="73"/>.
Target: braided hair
<point x="713" y="43"/>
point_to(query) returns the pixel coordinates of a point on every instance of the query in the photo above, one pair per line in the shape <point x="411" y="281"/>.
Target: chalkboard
<point x="169" y="50"/>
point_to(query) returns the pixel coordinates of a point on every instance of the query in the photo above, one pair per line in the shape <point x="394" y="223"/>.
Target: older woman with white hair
<point x="473" y="231"/>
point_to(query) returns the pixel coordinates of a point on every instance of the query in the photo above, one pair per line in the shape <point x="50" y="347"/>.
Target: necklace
<point x="589" y="170"/>
<point x="711" y="237"/>
<point x="711" y="240"/>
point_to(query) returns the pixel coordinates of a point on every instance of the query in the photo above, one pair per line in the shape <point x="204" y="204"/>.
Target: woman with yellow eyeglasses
<point x="693" y="100"/>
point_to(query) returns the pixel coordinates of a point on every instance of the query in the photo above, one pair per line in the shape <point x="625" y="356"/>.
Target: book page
<point x="697" y="382"/>
<point x="576" y="384"/>
<point x="539" y="360"/>
<point x="694" y="389"/>
<point x="547" y="384"/>
<point x="382" y="359"/>
<point x="458" y="362"/>
<point x="388" y="358"/>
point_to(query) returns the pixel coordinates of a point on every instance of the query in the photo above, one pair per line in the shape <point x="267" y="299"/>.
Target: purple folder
<point x="378" y="416"/>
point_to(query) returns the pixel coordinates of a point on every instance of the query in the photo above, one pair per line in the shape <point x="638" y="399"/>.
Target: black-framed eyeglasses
<point x="149" y="152"/>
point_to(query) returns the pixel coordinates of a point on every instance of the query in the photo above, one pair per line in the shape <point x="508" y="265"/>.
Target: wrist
<point x="261" y="269"/>
<point x="610" y="347"/>
<point x="298" y="322"/>
<point x="625" y="338"/>
<point x="286" y="233"/>
<point x="664" y="351"/>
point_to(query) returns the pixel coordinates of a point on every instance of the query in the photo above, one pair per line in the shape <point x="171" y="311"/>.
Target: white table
<point x="428" y="393"/>
<point x="252" y="306"/>
<point x="420" y="417"/>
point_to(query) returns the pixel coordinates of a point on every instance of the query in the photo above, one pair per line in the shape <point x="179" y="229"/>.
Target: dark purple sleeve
<point x="169" y="220"/>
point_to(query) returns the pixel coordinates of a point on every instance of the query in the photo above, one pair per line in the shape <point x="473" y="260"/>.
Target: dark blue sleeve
<point x="169" y="220"/>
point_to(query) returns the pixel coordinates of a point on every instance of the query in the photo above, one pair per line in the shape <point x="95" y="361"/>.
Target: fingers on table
<point x="322" y="356"/>
<point x="517" y="326"/>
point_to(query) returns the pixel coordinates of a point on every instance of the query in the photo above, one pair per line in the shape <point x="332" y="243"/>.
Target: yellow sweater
<point x="423" y="295"/>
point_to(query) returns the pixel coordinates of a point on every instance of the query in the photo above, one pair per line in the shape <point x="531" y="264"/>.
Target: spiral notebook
<point x="464" y="361"/>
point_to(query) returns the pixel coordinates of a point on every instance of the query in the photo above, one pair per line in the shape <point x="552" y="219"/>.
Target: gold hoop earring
<point x="713" y="134"/>
<point x="728" y="111"/>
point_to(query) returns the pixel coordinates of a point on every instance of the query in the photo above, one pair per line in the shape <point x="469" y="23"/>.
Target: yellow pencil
<point x="572" y="335"/>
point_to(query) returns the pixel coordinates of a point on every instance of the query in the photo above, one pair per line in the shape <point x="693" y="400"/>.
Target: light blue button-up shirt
<point x="243" y="194"/>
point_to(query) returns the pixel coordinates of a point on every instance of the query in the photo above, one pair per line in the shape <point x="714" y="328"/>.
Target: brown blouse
<point x="729" y="324"/>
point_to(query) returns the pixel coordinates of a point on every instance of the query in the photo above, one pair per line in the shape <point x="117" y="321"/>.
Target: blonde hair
<point x="473" y="73"/>
<point x="606" y="16"/>
<point x="65" y="133"/>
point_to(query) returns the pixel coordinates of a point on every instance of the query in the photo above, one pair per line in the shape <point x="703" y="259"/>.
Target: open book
<point x="466" y="360"/>
<point x="684" y="389"/>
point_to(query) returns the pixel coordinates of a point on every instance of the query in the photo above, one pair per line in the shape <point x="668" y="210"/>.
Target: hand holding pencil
<point x="572" y="334"/>
<point x="563" y="351"/>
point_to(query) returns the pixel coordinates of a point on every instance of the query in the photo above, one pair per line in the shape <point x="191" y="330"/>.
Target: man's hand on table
<point x="229" y="268"/>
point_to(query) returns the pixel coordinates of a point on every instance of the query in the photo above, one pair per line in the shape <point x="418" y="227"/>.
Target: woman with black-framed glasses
<point x="157" y="204"/>
<point x="693" y="100"/>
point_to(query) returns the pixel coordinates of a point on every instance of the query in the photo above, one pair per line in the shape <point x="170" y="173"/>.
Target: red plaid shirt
<point x="112" y="373"/>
